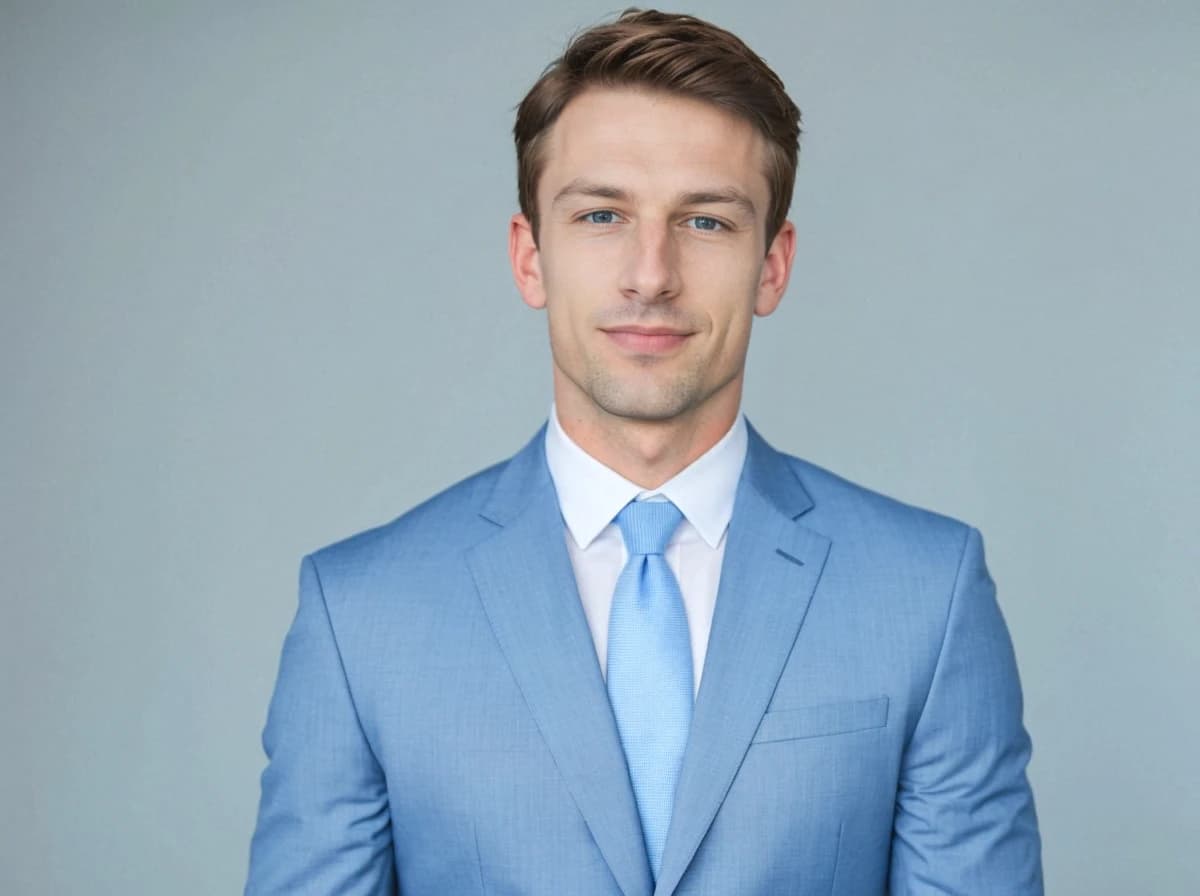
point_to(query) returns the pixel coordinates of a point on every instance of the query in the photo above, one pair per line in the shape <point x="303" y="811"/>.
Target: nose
<point x="650" y="268"/>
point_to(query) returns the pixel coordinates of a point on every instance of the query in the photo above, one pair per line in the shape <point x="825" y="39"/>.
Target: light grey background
<point x="255" y="298"/>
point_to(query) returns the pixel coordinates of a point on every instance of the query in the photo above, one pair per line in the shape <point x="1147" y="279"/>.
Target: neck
<point x="647" y="452"/>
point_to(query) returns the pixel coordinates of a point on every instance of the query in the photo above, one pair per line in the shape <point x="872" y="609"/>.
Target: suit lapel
<point x="768" y="575"/>
<point x="527" y="586"/>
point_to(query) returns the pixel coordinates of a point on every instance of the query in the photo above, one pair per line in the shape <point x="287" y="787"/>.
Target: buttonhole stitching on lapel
<point x="781" y="552"/>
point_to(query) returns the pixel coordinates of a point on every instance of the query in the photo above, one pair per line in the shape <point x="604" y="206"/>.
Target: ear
<point x="526" y="262"/>
<point x="776" y="269"/>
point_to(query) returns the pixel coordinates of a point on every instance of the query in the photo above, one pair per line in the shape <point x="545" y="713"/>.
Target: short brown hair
<point x="677" y="53"/>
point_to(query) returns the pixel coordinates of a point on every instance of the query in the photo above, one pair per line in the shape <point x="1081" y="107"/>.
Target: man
<point x="649" y="653"/>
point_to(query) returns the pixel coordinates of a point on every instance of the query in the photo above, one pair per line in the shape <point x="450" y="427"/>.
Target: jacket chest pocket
<point x="822" y="720"/>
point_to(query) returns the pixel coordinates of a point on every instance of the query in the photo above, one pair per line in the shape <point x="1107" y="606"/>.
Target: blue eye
<point x="703" y="222"/>
<point x="604" y="216"/>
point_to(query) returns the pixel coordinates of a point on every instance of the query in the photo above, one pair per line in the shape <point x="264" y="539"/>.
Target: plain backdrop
<point x="254" y="297"/>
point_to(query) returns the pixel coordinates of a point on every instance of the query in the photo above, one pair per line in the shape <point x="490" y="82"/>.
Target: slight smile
<point x="647" y="340"/>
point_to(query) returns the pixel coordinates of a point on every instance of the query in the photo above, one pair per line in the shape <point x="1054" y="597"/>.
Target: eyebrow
<point x="581" y="187"/>
<point x="721" y="195"/>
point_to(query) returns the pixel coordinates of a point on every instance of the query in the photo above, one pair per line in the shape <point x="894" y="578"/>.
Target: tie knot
<point x="647" y="526"/>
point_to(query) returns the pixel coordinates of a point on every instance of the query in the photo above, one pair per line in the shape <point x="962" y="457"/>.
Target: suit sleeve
<point x="323" y="821"/>
<point x="964" y="821"/>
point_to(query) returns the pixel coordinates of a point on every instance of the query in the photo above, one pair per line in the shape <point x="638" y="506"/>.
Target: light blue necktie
<point x="649" y="672"/>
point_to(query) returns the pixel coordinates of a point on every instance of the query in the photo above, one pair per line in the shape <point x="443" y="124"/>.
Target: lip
<point x="647" y="340"/>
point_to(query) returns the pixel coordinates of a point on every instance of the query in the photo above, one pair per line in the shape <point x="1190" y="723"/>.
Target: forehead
<point x="652" y="142"/>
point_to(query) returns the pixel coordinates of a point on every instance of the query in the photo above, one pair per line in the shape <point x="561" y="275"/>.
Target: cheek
<point x="728" y="293"/>
<point x="568" y="311"/>
<point x="734" y="336"/>
<point x="573" y="256"/>
<point x="733" y="268"/>
<point x="579" y="287"/>
<point x="566" y="275"/>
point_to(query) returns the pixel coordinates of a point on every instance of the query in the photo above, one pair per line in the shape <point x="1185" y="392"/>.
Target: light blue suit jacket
<point x="440" y="724"/>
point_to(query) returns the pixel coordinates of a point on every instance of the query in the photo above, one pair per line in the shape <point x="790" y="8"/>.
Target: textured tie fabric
<point x="649" y="673"/>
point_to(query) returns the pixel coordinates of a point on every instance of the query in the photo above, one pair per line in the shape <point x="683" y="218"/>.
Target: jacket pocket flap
<point x="822" y="720"/>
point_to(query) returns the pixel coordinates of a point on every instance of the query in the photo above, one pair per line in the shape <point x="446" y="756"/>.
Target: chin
<point x="637" y="402"/>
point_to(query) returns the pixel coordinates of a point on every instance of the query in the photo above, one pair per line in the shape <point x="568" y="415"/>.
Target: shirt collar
<point x="590" y="494"/>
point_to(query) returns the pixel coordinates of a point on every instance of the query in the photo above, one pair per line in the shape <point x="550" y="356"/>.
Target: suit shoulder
<point x="872" y="512"/>
<point x="447" y="521"/>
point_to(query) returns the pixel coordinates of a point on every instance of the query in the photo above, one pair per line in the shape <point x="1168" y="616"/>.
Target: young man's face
<point x="651" y="258"/>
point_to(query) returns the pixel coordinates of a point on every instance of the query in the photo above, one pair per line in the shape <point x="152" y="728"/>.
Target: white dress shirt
<point x="590" y="495"/>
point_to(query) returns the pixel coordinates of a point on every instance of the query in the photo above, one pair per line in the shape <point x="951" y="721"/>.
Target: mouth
<point x="647" y="340"/>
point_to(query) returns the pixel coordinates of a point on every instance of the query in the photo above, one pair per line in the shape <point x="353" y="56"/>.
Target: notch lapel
<point x="769" y="572"/>
<point x="527" y="585"/>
